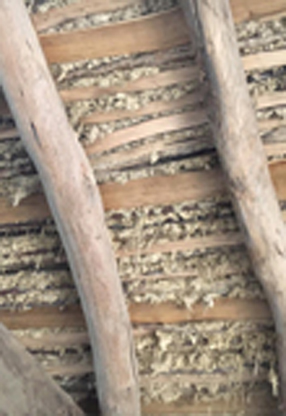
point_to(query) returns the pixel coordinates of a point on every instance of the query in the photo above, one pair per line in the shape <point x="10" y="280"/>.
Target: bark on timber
<point x="243" y="158"/>
<point x="76" y="205"/>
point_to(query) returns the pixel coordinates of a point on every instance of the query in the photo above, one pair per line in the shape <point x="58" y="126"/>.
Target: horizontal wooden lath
<point x="146" y="34"/>
<point x="149" y="128"/>
<point x="157" y="190"/>
<point x="159" y="80"/>
<point x="58" y="15"/>
<point x="146" y="314"/>
<point x="159" y="31"/>
<point x="257" y="9"/>
<point x="162" y="79"/>
<point x="141" y="313"/>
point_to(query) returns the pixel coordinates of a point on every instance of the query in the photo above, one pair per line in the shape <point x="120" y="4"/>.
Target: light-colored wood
<point x="80" y="8"/>
<point x="264" y="60"/>
<point x="175" y="122"/>
<point x="146" y="34"/>
<point x="271" y="124"/>
<point x="44" y="317"/>
<point x="243" y="158"/>
<point x="148" y="128"/>
<point x="169" y="313"/>
<point x="140" y="313"/>
<point x="274" y="99"/>
<point x="257" y="9"/>
<point x="275" y="149"/>
<point x="25" y="389"/>
<point x="156" y="190"/>
<point x="162" y="79"/>
<point x="75" y="203"/>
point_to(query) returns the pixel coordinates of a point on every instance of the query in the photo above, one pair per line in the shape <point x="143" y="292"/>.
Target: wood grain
<point x="242" y="156"/>
<point x="139" y="131"/>
<point x="145" y="34"/>
<point x="159" y="80"/>
<point x="156" y="190"/>
<point x="75" y="202"/>
<point x="140" y="313"/>
<point x="264" y="60"/>
<point x="257" y="9"/>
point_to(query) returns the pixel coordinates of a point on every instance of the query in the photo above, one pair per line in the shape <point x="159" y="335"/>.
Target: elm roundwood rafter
<point x="243" y="158"/>
<point x="76" y="205"/>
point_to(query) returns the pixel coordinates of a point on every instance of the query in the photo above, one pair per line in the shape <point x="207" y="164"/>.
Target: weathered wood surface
<point x="141" y="313"/>
<point x="257" y="9"/>
<point x="139" y="35"/>
<point x="141" y="192"/>
<point x="250" y="310"/>
<point x="242" y="156"/>
<point x="25" y="388"/>
<point x="76" y="205"/>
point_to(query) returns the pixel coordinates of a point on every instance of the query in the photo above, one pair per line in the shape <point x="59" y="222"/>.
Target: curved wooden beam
<point x="242" y="155"/>
<point x="76" y="206"/>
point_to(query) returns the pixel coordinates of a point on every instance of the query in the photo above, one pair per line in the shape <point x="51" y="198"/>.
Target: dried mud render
<point x="33" y="269"/>
<point x="236" y="350"/>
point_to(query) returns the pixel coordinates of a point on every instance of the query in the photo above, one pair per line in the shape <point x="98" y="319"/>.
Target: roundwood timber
<point x="25" y="389"/>
<point x="242" y="156"/>
<point x="76" y="205"/>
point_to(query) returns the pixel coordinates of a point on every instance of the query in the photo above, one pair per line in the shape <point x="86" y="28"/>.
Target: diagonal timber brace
<point x="242" y="156"/>
<point x="75" y="203"/>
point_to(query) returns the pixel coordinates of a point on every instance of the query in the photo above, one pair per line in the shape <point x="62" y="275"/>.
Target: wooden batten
<point x="257" y="9"/>
<point x="140" y="313"/>
<point x="142" y="192"/>
<point x="149" y="34"/>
